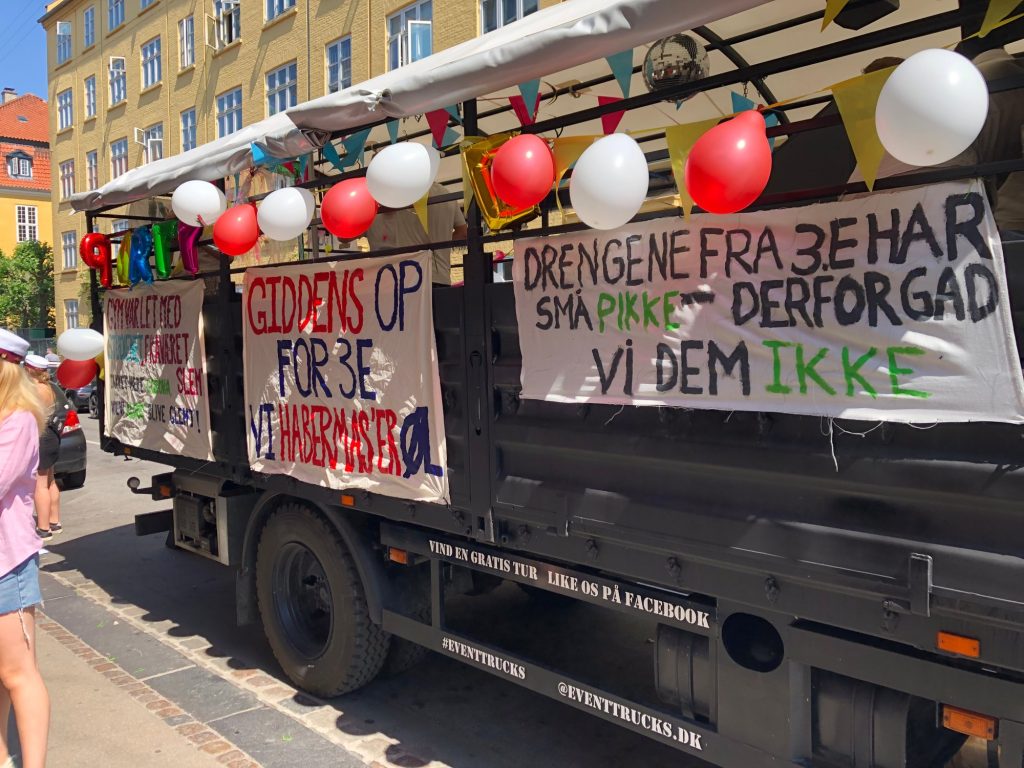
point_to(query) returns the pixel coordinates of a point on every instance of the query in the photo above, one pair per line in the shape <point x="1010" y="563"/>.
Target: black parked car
<point x="84" y="398"/>
<point x="69" y="470"/>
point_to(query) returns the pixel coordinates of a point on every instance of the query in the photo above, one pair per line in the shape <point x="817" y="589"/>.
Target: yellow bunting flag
<point x="680" y="140"/>
<point x="832" y="9"/>
<point x="996" y="13"/>
<point x="420" y="207"/>
<point x="566" y="151"/>
<point x="856" y="99"/>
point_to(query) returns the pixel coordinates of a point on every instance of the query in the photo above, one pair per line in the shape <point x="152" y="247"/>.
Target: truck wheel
<point x="313" y="606"/>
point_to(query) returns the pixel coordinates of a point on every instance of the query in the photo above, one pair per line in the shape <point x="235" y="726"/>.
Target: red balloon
<point x="523" y="171"/>
<point x="235" y="232"/>
<point x="348" y="209"/>
<point x="729" y="166"/>
<point x="76" y="373"/>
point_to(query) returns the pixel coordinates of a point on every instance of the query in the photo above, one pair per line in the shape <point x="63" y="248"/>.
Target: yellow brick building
<point x="132" y="80"/>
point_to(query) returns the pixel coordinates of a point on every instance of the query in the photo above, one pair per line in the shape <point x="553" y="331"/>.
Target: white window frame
<point x="519" y="10"/>
<point x="401" y="34"/>
<point x="188" y="129"/>
<point x="187" y="42"/>
<point x="342" y="77"/>
<point x="119" y="225"/>
<point x="115" y="14"/>
<point x="19" y="165"/>
<point x="90" y="96"/>
<point x="65" y="109"/>
<point x="224" y="27"/>
<point x="152" y="141"/>
<point x="64" y="37"/>
<point x="26" y="218"/>
<point x="282" y="88"/>
<point x="144" y="4"/>
<point x="118" y="157"/>
<point x="152" y="65"/>
<point x="67" y="179"/>
<point x="89" y="27"/>
<point x="70" y="313"/>
<point x="229" y="112"/>
<point x="69" y="249"/>
<point x="92" y="169"/>
<point x="275" y="8"/>
<point x="118" y="80"/>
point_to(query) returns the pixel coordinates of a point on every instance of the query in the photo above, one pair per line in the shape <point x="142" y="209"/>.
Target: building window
<point x="65" y="113"/>
<point x="92" y="169"/>
<point x="25" y="216"/>
<point x="67" y="179"/>
<point x="229" y="112"/>
<point x="409" y="34"/>
<point x="63" y="41"/>
<point x="118" y="80"/>
<point x="119" y="225"/>
<point x="151" y="70"/>
<point x="69" y="247"/>
<point x="19" y="165"/>
<point x="227" y="16"/>
<point x="276" y="7"/>
<point x="282" y="88"/>
<point x="90" y="96"/>
<point x="89" y="27"/>
<point x="498" y="13"/>
<point x="118" y="157"/>
<point x="144" y="4"/>
<point x="187" y="42"/>
<point x="339" y="65"/>
<point x="188" y="130"/>
<point x="115" y="14"/>
<point x="70" y="313"/>
<point x="153" y="140"/>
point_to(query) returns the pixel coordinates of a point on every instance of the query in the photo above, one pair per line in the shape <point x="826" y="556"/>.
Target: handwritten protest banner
<point x="341" y="380"/>
<point x="155" y="378"/>
<point x="890" y="307"/>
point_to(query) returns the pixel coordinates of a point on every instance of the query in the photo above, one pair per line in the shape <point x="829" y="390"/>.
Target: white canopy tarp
<point x="566" y="35"/>
<point x="232" y="154"/>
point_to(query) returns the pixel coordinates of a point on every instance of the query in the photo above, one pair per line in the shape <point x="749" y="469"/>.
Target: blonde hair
<point x="18" y="393"/>
<point x="37" y="374"/>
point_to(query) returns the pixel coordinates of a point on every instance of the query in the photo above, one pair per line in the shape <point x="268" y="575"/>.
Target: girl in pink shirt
<point x="21" y="420"/>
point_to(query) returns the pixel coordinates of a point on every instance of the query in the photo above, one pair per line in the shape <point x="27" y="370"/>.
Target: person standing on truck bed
<point x="22" y="418"/>
<point x="399" y="228"/>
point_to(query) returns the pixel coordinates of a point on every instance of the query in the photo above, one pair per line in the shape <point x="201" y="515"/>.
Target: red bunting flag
<point x="438" y="120"/>
<point x="611" y="120"/>
<point x="519" y="107"/>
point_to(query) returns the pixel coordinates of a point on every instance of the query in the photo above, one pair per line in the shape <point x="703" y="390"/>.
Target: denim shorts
<point x="19" y="589"/>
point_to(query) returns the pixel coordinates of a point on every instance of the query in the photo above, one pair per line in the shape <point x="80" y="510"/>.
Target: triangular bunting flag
<point x="355" y="145"/>
<point x="438" y="121"/>
<point x="680" y="140"/>
<point x="449" y="138"/>
<point x="622" y="67"/>
<point x="519" y="107"/>
<point x="530" y="91"/>
<point x="741" y="103"/>
<point x="856" y="99"/>
<point x="832" y="9"/>
<point x="997" y="12"/>
<point x="611" y="120"/>
<point x="566" y="151"/>
<point x="420" y="206"/>
<point x="393" y="130"/>
<point x="453" y="110"/>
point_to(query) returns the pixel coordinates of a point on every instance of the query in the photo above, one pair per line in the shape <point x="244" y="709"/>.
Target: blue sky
<point x="23" y="47"/>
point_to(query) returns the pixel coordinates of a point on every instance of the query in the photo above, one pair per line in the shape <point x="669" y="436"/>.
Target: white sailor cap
<point x="37" y="361"/>
<point x="13" y="348"/>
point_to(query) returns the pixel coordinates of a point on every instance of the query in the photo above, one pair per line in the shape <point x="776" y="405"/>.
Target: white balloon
<point x="285" y="214"/>
<point x="609" y="182"/>
<point x="931" y="108"/>
<point x="198" y="203"/>
<point x="401" y="174"/>
<point x="80" y="344"/>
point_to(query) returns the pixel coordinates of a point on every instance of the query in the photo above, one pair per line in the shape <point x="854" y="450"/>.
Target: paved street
<point x="152" y="632"/>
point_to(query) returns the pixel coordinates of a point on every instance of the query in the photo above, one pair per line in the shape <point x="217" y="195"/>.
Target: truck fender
<point x="358" y="537"/>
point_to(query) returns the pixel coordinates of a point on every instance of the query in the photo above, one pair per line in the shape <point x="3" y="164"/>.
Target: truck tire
<point x="313" y="605"/>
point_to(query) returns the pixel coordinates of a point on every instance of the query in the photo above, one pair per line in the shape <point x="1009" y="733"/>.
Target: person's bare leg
<point x="5" y="719"/>
<point x="20" y="676"/>
<point x="42" y="502"/>
<point x="54" y="499"/>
